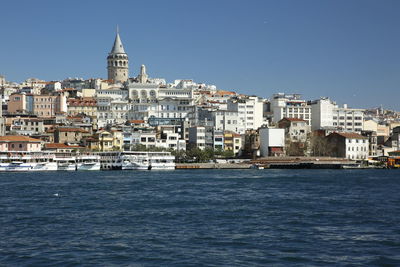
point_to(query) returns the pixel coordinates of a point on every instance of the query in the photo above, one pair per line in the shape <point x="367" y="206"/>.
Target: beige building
<point x="296" y="130"/>
<point x="19" y="143"/>
<point x="17" y="104"/>
<point x="237" y="144"/>
<point x="105" y="141"/>
<point x="25" y="126"/>
<point x="87" y="106"/>
<point x="370" y="125"/>
<point x="49" y="105"/>
<point x="40" y="105"/>
<point x="69" y="135"/>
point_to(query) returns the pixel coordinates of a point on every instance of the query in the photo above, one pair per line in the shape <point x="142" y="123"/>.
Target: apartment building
<point x="289" y="106"/>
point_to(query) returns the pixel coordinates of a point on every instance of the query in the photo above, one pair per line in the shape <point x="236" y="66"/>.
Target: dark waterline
<point x="201" y="218"/>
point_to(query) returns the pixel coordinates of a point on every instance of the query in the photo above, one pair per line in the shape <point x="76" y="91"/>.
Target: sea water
<point x="201" y="218"/>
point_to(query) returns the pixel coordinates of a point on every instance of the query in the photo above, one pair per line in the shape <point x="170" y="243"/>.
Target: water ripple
<point x="201" y="218"/>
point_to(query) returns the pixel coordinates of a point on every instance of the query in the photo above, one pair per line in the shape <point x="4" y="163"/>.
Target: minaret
<point x="142" y="78"/>
<point x="117" y="62"/>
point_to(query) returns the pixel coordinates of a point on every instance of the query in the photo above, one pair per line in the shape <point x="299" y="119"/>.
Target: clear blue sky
<point x="348" y="50"/>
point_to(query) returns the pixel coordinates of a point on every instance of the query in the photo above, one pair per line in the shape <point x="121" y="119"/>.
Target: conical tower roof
<point x="118" y="48"/>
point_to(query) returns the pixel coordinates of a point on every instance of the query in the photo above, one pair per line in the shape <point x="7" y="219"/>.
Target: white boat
<point x="65" y="162"/>
<point x="27" y="161"/>
<point x="15" y="166"/>
<point x="257" y="166"/>
<point x="162" y="161"/>
<point x="88" y="162"/>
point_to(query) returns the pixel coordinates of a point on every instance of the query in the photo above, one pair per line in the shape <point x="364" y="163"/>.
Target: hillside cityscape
<point x="196" y="122"/>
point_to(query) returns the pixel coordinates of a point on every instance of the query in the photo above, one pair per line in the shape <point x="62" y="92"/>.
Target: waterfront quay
<point x="277" y="163"/>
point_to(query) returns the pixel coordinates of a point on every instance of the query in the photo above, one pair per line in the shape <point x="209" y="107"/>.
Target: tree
<point x="228" y="154"/>
<point x="180" y="155"/>
<point x="199" y="155"/>
<point x="295" y="148"/>
<point x="320" y="146"/>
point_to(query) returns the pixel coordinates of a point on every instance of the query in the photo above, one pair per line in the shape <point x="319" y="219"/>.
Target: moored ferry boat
<point x="137" y="160"/>
<point x="27" y="161"/>
<point x="161" y="161"/>
<point x="88" y="162"/>
<point x="65" y="162"/>
<point x="143" y="160"/>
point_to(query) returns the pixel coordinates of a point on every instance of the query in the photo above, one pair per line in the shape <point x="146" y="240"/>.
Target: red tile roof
<point x="350" y="135"/>
<point x="82" y="102"/>
<point x="18" y="138"/>
<point x="72" y="130"/>
<point x="221" y="92"/>
<point x="136" y="121"/>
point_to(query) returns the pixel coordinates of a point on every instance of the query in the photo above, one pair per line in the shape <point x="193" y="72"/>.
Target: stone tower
<point x="142" y="77"/>
<point x="117" y="62"/>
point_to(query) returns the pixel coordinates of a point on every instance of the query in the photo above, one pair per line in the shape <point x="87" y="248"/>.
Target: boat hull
<point x="95" y="166"/>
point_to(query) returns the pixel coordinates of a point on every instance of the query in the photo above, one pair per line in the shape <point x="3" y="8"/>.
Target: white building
<point x="272" y="141"/>
<point x="228" y="121"/>
<point x="160" y="101"/>
<point x="250" y="110"/>
<point x="348" y="145"/>
<point x="197" y="137"/>
<point x="348" y="119"/>
<point x="322" y="113"/>
<point x="327" y="114"/>
<point x="290" y="106"/>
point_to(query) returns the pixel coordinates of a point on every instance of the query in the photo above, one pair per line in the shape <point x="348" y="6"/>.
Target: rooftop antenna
<point x="117" y="29"/>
